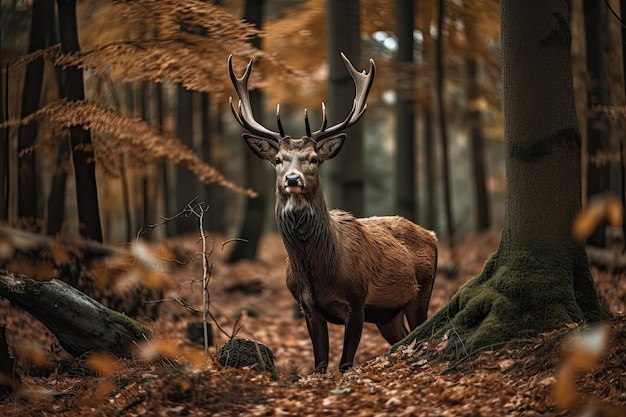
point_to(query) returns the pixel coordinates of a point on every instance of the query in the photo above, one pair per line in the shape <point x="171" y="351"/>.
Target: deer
<point x="340" y="269"/>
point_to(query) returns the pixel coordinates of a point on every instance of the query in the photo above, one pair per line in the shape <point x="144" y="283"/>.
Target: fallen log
<point x="100" y="271"/>
<point x="80" y="323"/>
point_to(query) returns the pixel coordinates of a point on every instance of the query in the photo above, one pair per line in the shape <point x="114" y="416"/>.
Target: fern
<point x="135" y="135"/>
<point x="189" y="42"/>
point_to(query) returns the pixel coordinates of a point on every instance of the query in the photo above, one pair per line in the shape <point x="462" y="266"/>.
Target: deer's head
<point x="297" y="160"/>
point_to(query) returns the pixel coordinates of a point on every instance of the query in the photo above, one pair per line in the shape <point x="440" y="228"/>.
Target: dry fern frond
<point x="133" y="134"/>
<point x="186" y="42"/>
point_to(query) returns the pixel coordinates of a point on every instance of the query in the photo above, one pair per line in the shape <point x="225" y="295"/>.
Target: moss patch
<point x="243" y="352"/>
<point x="524" y="289"/>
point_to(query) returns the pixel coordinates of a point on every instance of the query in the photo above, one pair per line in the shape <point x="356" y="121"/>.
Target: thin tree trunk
<point x="82" y="156"/>
<point x="622" y="5"/>
<point x="164" y="173"/>
<point x="187" y="185"/>
<point x="4" y="149"/>
<point x="126" y="178"/>
<point x="344" y="35"/>
<point x="476" y="138"/>
<point x="212" y="194"/>
<point x="406" y="191"/>
<point x="255" y="207"/>
<point x="431" y="169"/>
<point x="27" y="204"/>
<point x="597" y="128"/>
<point x="56" y="198"/>
<point x="443" y="128"/>
<point x="211" y="136"/>
<point x="144" y="101"/>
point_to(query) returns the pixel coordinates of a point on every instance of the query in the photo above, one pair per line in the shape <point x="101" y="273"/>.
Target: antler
<point x="362" y="82"/>
<point x="244" y="114"/>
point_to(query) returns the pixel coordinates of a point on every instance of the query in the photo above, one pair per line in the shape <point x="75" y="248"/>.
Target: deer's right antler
<point x="244" y="114"/>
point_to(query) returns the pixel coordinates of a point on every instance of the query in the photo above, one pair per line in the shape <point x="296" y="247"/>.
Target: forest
<point x="449" y="241"/>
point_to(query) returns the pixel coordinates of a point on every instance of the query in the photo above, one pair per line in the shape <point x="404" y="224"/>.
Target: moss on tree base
<point x="524" y="289"/>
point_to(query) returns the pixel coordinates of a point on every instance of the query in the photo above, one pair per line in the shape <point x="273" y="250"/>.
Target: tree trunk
<point x="213" y="194"/>
<point x="431" y="170"/>
<point x="622" y="150"/>
<point x="539" y="277"/>
<point x="56" y="198"/>
<point x="80" y="323"/>
<point x="597" y="94"/>
<point x="27" y="204"/>
<point x="443" y="128"/>
<point x="344" y="35"/>
<point x="255" y="207"/>
<point x="187" y="185"/>
<point x="405" y="113"/>
<point x="82" y="155"/>
<point x="476" y="138"/>
<point x="4" y="148"/>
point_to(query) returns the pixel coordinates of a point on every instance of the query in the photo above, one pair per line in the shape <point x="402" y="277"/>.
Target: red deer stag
<point x="341" y="269"/>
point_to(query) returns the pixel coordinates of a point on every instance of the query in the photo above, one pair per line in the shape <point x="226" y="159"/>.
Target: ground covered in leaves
<point x="171" y="376"/>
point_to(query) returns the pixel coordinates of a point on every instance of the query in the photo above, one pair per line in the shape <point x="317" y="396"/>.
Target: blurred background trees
<point x="156" y="81"/>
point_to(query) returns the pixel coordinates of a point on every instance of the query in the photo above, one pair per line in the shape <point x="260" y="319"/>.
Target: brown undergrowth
<point x="519" y="380"/>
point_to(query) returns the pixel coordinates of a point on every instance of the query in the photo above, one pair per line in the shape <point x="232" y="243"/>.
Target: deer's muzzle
<point x="293" y="180"/>
<point x="293" y="183"/>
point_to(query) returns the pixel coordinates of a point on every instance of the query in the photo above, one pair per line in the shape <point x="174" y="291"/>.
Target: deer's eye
<point x="314" y="160"/>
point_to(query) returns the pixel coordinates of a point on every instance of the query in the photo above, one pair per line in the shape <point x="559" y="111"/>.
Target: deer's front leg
<point x="318" y="332"/>
<point x="351" y="337"/>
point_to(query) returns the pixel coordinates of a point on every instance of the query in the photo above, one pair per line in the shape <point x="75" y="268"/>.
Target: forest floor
<point x="534" y="378"/>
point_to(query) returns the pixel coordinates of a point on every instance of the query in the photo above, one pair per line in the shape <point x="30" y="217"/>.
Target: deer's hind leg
<point x="417" y="309"/>
<point x="395" y="330"/>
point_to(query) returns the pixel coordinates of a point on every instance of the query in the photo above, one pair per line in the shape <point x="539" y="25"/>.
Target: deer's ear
<point x="260" y="147"/>
<point x="330" y="147"/>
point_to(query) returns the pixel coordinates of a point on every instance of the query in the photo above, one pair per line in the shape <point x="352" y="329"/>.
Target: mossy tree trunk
<point x="539" y="277"/>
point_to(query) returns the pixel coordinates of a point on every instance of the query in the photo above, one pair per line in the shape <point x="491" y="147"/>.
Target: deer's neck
<point x="306" y="226"/>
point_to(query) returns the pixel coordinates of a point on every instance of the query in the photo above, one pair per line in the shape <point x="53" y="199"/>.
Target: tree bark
<point x="213" y="194"/>
<point x="431" y="169"/>
<point x="346" y="170"/>
<point x="447" y="192"/>
<point x="27" y="203"/>
<point x="539" y="277"/>
<point x="405" y="113"/>
<point x="4" y="147"/>
<point x="187" y="185"/>
<point x="252" y="226"/>
<point x="597" y="94"/>
<point x="476" y="138"/>
<point x="80" y="323"/>
<point x="82" y="155"/>
<point x="56" y="198"/>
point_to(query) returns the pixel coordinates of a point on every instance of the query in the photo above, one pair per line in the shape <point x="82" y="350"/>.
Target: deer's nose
<point x="293" y="180"/>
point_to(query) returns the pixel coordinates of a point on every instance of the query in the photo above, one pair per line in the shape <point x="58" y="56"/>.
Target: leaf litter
<point x="547" y="375"/>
